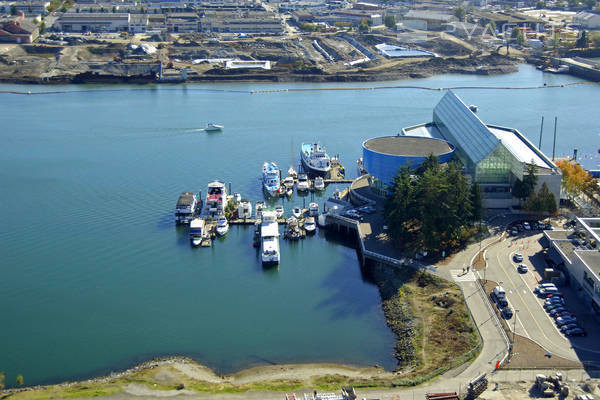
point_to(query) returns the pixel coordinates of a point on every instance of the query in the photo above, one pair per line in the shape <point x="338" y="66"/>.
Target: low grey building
<point x="578" y="250"/>
<point x="94" y="22"/>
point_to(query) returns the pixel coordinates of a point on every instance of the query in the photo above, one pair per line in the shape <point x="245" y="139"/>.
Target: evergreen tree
<point x="476" y="202"/>
<point x="390" y="21"/>
<point x="19" y="380"/>
<point x="547" y="199"/>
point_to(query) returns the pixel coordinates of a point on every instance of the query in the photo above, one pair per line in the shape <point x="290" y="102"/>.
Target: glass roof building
<point x="493" y="156"/>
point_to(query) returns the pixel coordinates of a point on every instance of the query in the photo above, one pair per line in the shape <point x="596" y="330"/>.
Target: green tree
<point x="399" y="205"/>
<point x="530" y="179"/>
<point x="591" y="4"/>
<point x="517" y="36"/>
<point x="476" y="201"/>
<point x="1" y="380"/>
<point x="363" y="27"/>
<point x="460" y="13"/>
<point x="114" y="9"/>
<point x="13" y="10"/>
<point x="540" y="5"/>
<point x="390" y="21"/>
<point x="19" y="380"/>
<point x="547" y="199"/>
<point x="42" y="27"/>
<point x="573" y="3"/>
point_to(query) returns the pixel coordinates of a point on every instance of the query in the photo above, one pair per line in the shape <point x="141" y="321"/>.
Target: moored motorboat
<point x="185" y="208"/>
<point x="196" y="231"/>
<point x="297" y="212"/>
<point x="222" y="226"/>
<point x="315" y="159"/>
<point x="292" y="172"/>
<point x="279" y="210"/>
<point x="302" y="184"/>
<point x="259" y="207"/>
<point x="313" y="209"/>
<point x="292" y="231"/>
<point x="216" y="199"/>
<point x="269" y="233"/>
<point x="309" y="225"/>
<point x="210" y="127"/>
<point x="245" y="209"/>
<point x="271" y="179"/>
<point x="319" y="183"/>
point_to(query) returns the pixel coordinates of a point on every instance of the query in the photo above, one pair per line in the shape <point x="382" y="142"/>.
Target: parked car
<point x="499" y="292"/>
<point x="501" y="303"/>
<point x="520" y="228"/>
<point x="507" y="312"/>
<point x="560" y="321"/>
<point x="549" y="291"/>
<point x="565" y="313"/>
<point x="514" y="232"/>
<point x="522" y="268"/>
<point x="575" y="332"/>
<point x="553" y="307"/>
<point x="544" y="286"/>
<point x="518" y="257"/>
<point x="535" y="226"/>
<point x="554" y="300"/>
<point x="566" y="327"/>
<point x="526" y="226"/>
<point x="549" y="226"/>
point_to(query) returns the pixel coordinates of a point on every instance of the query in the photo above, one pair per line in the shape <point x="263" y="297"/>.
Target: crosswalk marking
<point x="461" y="276"/>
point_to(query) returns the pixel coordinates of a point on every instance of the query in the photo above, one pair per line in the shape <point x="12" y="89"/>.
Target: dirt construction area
<point x="295" y="57"/>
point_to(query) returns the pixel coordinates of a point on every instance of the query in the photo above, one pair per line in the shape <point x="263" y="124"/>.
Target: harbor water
<point x="96" y="276"/>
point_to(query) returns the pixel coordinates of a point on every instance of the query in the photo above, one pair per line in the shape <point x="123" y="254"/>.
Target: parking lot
<point x="530" y="319"/>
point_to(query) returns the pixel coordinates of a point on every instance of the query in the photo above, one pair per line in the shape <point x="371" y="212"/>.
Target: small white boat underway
<point x="245" y="209"/>
<point x="319" y="183"/>
<point x="222" y="226"/>
<point x="313" y="209"/>
<point x="213" y="127"/>
<point x="309" y="225"/>
<point x="302" y="184"/>
<point x="196" y="231"/>
<point x="279" y="210"/>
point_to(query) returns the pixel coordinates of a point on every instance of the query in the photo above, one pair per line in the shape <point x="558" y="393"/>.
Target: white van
<point x="499" y="292"/>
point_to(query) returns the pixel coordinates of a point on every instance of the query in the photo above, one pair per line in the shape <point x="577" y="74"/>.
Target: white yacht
<point x="302" y="184"/>
<point x="292" y="172"/>
<point x="315" y="159"/>
<point x="186" y="207"/>
<point x="319" y="183"/>
<point x="196" y="231"/>
<point x="297" y="212"/>
<point x="222" y="226"/>
<point x="213" y="127"/>
<point x="271" y="179"/>
<point x="216" y="199"/>
<point x="279" y="210"/>
<point x="313" y="209"/>
<point x="269" y="234"/>
<point x="244" y="209"/>
<point x="309" y="225"/>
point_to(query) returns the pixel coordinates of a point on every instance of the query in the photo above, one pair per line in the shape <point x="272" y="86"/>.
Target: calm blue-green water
<point x="94" y="274"/>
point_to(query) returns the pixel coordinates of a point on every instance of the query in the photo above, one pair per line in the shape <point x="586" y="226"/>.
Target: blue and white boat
<point x="315" y="159"/>
<point x="271" y="179"/>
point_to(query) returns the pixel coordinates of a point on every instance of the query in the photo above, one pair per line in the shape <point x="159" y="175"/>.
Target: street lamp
<point x="515" y="327"/>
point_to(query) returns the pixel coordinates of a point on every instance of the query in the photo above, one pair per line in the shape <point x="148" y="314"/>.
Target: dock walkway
<point x="373" y="240"/>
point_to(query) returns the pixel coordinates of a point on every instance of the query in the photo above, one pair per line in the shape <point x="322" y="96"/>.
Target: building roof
<point x="472" y="136"/>
<point x="429" y="15"/>
<point x="69" y="16"/>
<point x="18" y="27"/>
<point x="591" y="258"/>
<point x="521" y="149"/>
<point x="408" y="146"/>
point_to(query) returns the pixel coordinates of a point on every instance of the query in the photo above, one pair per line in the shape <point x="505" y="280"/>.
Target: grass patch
<point x="68" y="392"/>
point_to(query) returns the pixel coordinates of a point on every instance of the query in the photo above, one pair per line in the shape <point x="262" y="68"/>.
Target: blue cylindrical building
<point x="384" y="156"/>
